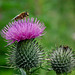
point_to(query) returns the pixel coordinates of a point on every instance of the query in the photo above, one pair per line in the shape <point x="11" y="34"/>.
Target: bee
<point x="65" y="47"/>
<point x="21" y="16"/>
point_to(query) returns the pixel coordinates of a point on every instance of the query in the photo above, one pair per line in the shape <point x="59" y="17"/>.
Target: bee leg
<point x="24" y="17"/>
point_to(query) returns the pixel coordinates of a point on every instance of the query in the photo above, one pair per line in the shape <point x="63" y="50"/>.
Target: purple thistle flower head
<point x="22" y="30"/>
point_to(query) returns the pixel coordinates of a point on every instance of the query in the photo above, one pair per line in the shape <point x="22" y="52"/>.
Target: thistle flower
<point x="62" y="60"/>
<point x="22" y="30"/>
<point x="26" y="53"/>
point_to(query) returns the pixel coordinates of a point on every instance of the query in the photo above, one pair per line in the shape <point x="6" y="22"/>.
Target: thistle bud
<point x="62" y="60"/>
<point x="26" y="54"/>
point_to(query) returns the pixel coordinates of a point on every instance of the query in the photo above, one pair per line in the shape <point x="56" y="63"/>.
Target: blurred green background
<point x="58" y="17"/>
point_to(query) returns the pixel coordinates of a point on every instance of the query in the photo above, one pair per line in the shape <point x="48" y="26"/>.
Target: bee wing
<point x="14" y="17"/>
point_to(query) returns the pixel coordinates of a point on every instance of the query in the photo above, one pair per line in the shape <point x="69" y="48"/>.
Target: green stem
<point x="61" y="74"/>
<point x="27" y="72"/>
